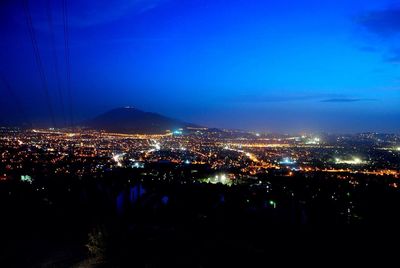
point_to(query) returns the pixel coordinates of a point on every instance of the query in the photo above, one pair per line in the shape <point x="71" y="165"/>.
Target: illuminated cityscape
<point x="201" y="133"/>
<point x="241" y="154"/>
<point x="292" y="180"/>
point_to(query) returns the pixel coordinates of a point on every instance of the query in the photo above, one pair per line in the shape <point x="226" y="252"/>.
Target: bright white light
<point x="155" y="144"/>
<point x="315" y="140"/>
<point x="354" y="161"/>
<point x="26" y="178"/>
<point x="177" y="132"/>
<point x="223" y="179"/>
<point x="287" y="161"/>
<point x="118" y="158"/>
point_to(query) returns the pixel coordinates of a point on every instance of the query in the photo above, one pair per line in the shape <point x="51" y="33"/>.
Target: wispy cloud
<point x="290" y="97"/>
<point x="384" y="24"/>
<point x="346" y="100"/>
<point x="393" y="58"/>
<point x="102" y="12"/>
<point x="89" y="13"/>
<point x="369" y="49"/>
<point x="284" y="97"/>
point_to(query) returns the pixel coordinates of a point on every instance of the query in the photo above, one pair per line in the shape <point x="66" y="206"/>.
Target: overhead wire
<point x="38" y="60"/>
<point x="55" y="60"/>
<point x="67" y="60"/>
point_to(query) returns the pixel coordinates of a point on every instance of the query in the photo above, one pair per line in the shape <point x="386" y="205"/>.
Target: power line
<point x="55" y="57"/>
<point x="67" y="59"/>
<point x="38" y="60"/>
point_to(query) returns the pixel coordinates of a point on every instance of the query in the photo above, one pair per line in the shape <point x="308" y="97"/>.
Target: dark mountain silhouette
<point x="131" y="120"/>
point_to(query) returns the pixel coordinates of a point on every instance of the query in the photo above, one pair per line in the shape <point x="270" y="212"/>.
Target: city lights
<point x="287" y="161"/>
<point x="353" y="161"/>
<point x="26" y="178"/>
<point x="262" y="175"/>
<point x="205" y="133"/>
<point x="118" y="159"/>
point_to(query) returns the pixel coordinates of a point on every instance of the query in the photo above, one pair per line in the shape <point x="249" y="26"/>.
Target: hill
<point x="131" y="120"/>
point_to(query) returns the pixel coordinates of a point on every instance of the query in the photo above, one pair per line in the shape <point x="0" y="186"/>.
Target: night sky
<point x="279" y="66"/>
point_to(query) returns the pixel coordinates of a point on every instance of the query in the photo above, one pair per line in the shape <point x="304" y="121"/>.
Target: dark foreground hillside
<point x="123" y="220"/>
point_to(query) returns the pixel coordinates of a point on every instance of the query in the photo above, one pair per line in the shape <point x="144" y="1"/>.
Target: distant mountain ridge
<point x="131" y="120"/>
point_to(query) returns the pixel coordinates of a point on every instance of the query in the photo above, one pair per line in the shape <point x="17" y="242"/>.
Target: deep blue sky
<point x="288" y="66"/>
